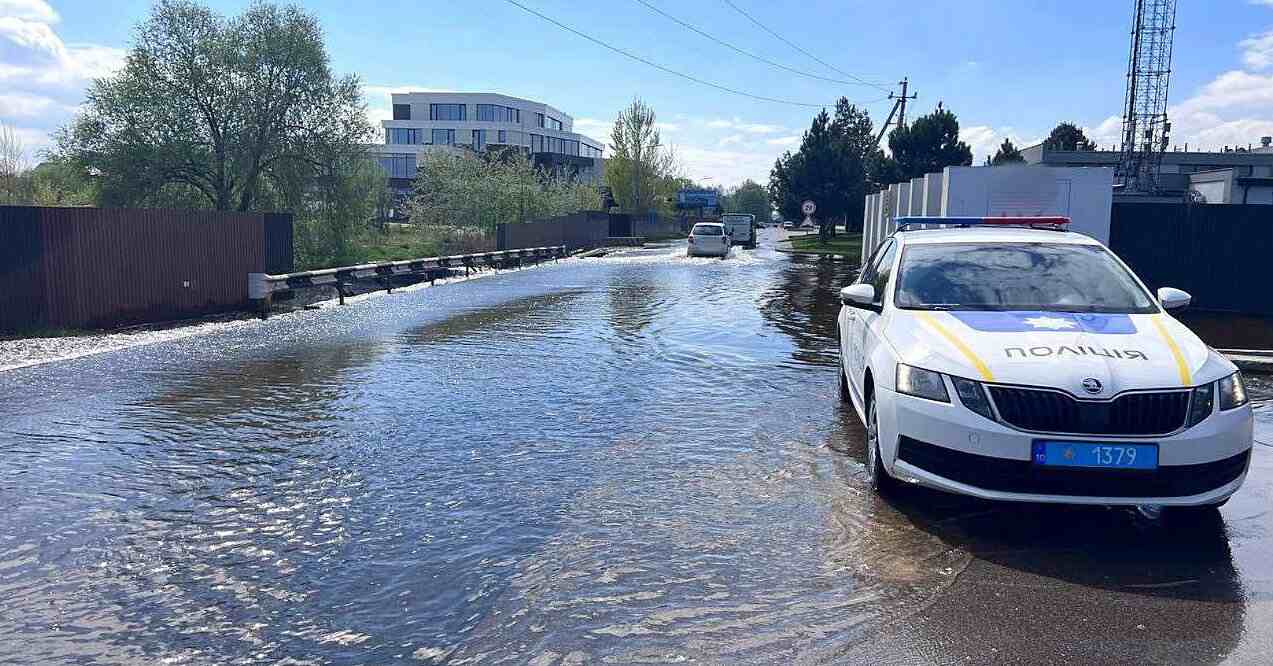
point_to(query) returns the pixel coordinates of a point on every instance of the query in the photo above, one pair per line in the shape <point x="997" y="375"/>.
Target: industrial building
<point x="1233" y="175"/>
<point x="458" y="121"/>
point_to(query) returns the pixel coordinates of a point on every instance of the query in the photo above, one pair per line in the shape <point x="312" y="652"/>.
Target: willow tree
<point x="207" y="109"/>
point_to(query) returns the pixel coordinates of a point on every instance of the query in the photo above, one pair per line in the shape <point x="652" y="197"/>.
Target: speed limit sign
<point x="807" y="207"/>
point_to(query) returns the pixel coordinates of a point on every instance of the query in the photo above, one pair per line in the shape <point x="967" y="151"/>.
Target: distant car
<point x="788" y="225"/>
<point x="708" y="239"/>
<point x="807" y="225"/>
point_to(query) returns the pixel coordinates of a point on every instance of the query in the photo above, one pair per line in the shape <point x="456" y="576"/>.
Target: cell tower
<point x="1146" y="131"/>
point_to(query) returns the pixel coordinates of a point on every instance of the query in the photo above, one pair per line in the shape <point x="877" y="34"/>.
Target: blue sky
<point x="1007" y="68"/>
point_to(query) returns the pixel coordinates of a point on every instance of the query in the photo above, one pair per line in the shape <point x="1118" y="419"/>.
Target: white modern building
<point x="425" y="121"/>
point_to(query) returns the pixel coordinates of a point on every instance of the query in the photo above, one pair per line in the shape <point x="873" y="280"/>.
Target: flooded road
<point x="639" y="458"/>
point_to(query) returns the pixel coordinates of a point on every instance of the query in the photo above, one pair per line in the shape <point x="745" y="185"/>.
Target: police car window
<point x="883" y="269"/>
<point x="707" y="231"/>
<point x="1018" y="276"/>
<point x="872" y="264"/>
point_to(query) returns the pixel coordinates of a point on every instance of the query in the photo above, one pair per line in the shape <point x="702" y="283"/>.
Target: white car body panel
<point x="699" y="245"/>
<point x="1048" y="350"/>
<point x="739" y="226"/>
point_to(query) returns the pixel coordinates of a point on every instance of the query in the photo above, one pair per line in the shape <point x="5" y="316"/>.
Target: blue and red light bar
<point x="1054" y="221"/>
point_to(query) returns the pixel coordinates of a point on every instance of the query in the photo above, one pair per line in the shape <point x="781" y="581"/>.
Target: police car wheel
<point x="878" y="478"/>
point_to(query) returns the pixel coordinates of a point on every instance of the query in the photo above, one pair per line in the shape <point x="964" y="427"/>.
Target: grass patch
<point x="390" y="245"/>
<point x="844" y="243"/>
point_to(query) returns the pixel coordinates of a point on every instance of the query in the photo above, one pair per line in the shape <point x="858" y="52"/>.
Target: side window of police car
<point x="882" y="269"/>
<point x="869" y="273"/>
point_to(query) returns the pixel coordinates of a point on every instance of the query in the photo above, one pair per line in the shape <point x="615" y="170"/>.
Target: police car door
<point x="860" y="318"/>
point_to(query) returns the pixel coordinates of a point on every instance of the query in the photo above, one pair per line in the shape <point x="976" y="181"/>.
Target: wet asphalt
<point x="633" y="459"/>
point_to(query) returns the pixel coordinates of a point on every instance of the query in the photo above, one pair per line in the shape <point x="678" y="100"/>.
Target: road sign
<point x="808" y="207"/>
<point x="696" y="199"/>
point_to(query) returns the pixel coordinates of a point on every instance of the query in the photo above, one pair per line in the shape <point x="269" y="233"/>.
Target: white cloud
<point x="742" y="126"/>
<point x="726" y="167"/>
<point x="732" y="139"/>
<point x="787" y="141"/>
<point x="29" y="10"/>
<point x="43" y="78"/>
<point x="985" y="140"/>
<point x="1257" y="50"/>
<point x="24" y="105"/>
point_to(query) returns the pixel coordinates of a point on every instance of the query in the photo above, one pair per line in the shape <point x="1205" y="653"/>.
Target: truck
<point x="741" y="228"/>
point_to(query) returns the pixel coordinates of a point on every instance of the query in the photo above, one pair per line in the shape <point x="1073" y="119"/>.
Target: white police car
<point x="1009" y="359"/>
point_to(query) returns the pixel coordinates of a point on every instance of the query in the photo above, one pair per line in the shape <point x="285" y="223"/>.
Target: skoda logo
<point x="1092" y="385"/>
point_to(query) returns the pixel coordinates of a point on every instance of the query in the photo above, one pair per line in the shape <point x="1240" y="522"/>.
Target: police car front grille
<point x="1130" y="414"/>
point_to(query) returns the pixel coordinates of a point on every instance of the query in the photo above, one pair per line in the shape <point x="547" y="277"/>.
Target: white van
<point x="740" y="228"/>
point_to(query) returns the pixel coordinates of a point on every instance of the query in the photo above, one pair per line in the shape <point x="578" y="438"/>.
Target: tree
<point x="641" y="172"/>
<point x="831" y="167"/>
<point x="210" y="110"/>
<point x="479" y="191"/>
<point x="928" y="145"/>
<point x="1068" y="136"/>
<point x="14" y="181"/>
<point x="748" y="197"/>
<point x="1007" y="154"/>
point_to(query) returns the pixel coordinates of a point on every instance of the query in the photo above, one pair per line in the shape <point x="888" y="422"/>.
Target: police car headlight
<point x="1200" y="403"/>
<point x="973" y="396"/>
<point x="1232" y="391"/>
<point x="921" y="383"/>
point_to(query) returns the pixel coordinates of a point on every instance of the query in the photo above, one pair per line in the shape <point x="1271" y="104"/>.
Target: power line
<point x="788" y="42"/>
<point x="749" y="54"/>
<point x="656" y="65"/>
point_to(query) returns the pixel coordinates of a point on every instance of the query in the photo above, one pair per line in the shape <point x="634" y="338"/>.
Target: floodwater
<point x="639" y="458"/>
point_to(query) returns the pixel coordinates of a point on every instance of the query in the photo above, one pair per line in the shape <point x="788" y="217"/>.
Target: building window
<point x="446" y="112"/>
<point x="402" y="135"/>
<point x="590" y="151"/>
<point x="539" y="120"/>
<point x="479" y="139"/>
<point x="503" y="136"/>
<point x="402" y="112"/>
<point x="554" y="124"/>
<point x="536" y="143"/>
<point x="494" y="113"/>
<point x="398" y="166"/>
<point x="444" y="137"/>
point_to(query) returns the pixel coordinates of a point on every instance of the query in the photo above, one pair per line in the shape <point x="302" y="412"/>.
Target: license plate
<point x="1115" y="455"/>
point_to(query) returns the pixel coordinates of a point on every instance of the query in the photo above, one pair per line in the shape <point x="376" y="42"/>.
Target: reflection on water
<point x="640" y="458"/>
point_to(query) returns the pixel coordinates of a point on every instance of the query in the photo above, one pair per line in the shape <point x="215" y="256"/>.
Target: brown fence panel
<point x="96" y="267"/>
<point x="575" y="231"/>
<point x="21" y="267"/>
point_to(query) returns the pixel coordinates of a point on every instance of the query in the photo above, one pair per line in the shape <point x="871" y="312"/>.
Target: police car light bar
<point x="1052" y="222"/>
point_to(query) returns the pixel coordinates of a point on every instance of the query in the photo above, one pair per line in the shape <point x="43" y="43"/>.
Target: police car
<point x="1010" y="359"/>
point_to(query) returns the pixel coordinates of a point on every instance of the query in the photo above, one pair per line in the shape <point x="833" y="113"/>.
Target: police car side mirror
<point x="1172" y="298"/>
<point x="858" y="295"/>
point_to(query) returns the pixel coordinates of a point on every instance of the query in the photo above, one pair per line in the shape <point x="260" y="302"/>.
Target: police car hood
<point x="1057" y="349"/>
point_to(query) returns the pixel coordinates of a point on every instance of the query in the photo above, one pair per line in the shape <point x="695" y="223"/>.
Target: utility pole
<point x="899" y="109"/>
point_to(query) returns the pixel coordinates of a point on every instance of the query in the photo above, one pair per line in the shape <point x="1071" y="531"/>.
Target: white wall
<point x="932" y="194"/>
<point x="1213" y="191"/>
<point x="1084" y="194"/>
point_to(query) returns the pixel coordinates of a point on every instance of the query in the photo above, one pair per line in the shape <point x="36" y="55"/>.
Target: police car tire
<point x="880" y="481"/>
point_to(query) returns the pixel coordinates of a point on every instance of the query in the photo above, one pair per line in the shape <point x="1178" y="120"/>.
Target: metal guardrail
<point x="262" y="286"/>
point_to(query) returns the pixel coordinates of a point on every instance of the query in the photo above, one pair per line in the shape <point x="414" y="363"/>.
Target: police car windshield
<point x="1057" y="277"/>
